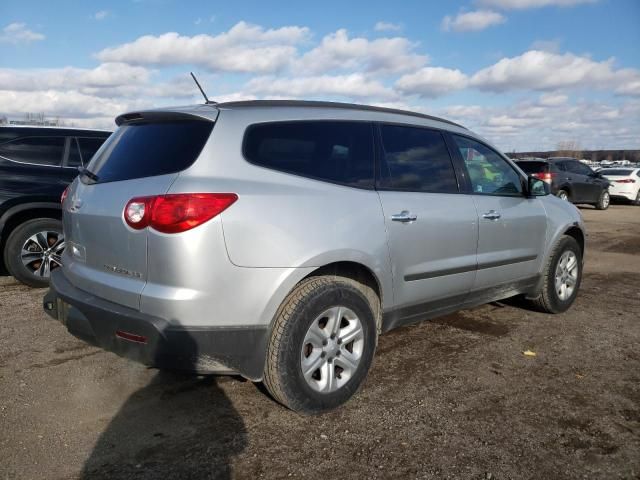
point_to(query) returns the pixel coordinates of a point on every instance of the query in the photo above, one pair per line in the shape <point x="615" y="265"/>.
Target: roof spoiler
<point x="163" y="116"/>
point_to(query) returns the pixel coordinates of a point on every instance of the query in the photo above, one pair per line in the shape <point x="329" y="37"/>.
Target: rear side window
<point x="416" y="159"/>
<point x="35" y="150"/>
<point x="338" y="152"/>
<point x="73" y="160"/>
<point x="149" y="149"/>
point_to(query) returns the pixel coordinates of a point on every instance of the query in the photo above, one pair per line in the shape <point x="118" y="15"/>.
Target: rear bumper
<point x="153" y="341"/>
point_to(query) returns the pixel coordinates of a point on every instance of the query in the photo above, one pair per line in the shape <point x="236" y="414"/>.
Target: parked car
<point x="625" y="183"/>
<point x="278" y="239"/>
<point x="570" y="180"/>
<point x="36" y="165"/>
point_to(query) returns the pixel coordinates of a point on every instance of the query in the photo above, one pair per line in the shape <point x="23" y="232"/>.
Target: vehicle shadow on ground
<point x="178" y="426"/>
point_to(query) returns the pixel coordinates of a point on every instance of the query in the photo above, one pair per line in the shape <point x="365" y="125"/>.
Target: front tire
<point x="322" y="345"/>
<point x="33" y="249"/>
<point x="561" y="278"/>
<point x="604" y="201"/>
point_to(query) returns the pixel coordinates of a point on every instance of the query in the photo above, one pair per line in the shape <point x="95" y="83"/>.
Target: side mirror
<point x="537" y="187"/>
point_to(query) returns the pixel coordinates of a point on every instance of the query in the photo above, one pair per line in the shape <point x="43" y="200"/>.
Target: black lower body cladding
<point x="153" y="341"/>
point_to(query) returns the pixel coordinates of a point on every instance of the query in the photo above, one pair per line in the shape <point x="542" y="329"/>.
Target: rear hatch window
<point x="141" y="150"/>
<point x="533" y="167"/>
<point x="616" y="172"/>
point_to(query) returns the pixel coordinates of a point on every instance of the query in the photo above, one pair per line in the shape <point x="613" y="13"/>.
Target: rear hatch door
<point x="143" y="157"/>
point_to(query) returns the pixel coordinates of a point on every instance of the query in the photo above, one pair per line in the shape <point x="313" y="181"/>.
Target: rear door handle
<point x="491" y="215"/>
<point x="404" y="216"/>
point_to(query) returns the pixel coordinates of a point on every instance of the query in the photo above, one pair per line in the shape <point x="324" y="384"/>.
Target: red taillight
<point x="544" y="176"/>
<point x="64" y="195"/>
<point x="177" y="212"/>
<point x="625" y="180"/>
<point x="132" y="337"/>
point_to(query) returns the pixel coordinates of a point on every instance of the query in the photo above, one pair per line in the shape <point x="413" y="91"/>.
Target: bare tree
<point x="569" y="148"/>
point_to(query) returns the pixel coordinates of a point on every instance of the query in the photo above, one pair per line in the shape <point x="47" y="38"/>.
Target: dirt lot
<point x="450" y="398"/>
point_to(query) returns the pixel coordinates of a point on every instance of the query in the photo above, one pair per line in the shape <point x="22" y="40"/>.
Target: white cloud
<point x="539" y="70"/>
<point x="387" y="27"/>
<point x="19" y="33"/>
<point x="104" y="76"/>
<point x="553" y="99"/>
<point x="244" y="48"/>
<point x="339" y="52"/>
<point x="524" y="4"/>
<point x="101" y="15"/>
<point x="432" y="82"/>
<point x="472" y="21"/>
<point x="353" y="85"/>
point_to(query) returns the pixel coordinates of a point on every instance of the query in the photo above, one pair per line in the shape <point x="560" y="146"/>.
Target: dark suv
<point x="570" y="180"/>
<point x="36" y="165"/>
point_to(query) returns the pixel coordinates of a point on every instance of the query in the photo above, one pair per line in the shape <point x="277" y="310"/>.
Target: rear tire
<point x="310" y="369"/>
<point x="560" y="270"/>
<point x="563" y="195"/>
<point x="636" y="202"/>
<point x="604" y="201"/>
<point x="33" y="249"/>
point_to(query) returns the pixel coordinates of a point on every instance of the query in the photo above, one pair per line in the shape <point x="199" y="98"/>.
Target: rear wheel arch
<point x="363" y="278"/>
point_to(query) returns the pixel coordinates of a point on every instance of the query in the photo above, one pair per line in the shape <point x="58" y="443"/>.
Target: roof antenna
<point x="206" y="100"/>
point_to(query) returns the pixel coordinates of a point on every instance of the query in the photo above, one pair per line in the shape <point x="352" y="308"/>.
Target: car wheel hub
<point x="41" y="253"/>
<point x="332" y="349"/>
<point x="566" y="277"/>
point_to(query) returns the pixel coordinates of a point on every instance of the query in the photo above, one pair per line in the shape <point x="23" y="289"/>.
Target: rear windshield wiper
<point x="88" y="173"/>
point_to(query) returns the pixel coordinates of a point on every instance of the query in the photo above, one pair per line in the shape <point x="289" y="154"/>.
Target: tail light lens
<point x="176" y="213"/>
<point x="544" y="176"/>
<point x="625" y="180"/>
<point x="64" y="195"/>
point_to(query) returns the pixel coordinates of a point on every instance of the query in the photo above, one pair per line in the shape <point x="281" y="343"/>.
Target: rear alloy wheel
<point x="604" y="200"/>
<point x="636" y="202"/>
<point x="563" y="195"/>
<point x="33" y="250"/>
<point x="322" y="345"/>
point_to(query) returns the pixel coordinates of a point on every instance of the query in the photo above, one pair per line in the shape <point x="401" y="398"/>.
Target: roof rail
<point x="322" y="104"/>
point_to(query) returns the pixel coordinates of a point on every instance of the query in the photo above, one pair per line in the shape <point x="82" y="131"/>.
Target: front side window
<point x="338" y="152"/>
<point x="489" y="173"/>
<point x="416" y="159"/>
<point x="34" y="150"/>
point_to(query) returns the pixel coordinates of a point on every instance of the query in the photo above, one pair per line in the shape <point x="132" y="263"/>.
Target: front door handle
<point x="405" y="217"/>
<point x="491" y="215"/>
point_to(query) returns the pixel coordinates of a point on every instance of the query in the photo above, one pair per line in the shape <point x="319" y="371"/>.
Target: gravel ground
<point x="451" y="398"/>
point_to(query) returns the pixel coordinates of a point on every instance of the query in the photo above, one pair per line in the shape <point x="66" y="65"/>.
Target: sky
<point x="525" y="74"/>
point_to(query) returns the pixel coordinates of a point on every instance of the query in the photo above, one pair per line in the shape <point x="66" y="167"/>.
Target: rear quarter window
<point x="148" y="149"/>
<point x="333" y="151"/>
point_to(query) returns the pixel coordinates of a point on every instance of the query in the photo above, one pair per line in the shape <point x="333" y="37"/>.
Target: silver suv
<point x="278" y="239"/>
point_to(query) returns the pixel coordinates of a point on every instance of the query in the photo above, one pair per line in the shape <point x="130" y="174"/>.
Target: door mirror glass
<point x="537" y="187"/>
